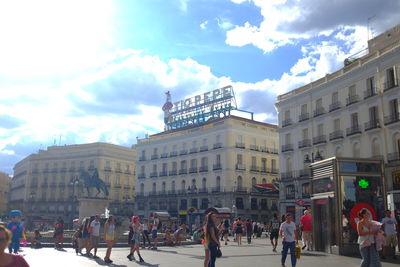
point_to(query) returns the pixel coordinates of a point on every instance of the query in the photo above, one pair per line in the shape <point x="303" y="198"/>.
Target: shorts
<point x="239" y="230"/>
<point x="225" y="232"/>
<point x="95" y="241"/>
<point x="153" y="233"/>
<point x="274" y="235"/>
<point x="307" y="236"/>
<point x="85" y="235"/>
<point x="109" y="237"/>
<point x="390" y="240"/>
<point x="135" y="241"/>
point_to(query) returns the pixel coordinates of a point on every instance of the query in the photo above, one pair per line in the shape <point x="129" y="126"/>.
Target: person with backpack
<point x="274" y="227"/>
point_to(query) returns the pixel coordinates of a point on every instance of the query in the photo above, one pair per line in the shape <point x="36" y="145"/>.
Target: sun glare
<point x="44" y="37"/>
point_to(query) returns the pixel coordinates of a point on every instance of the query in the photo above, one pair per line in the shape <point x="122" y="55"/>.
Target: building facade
<point x="45" y="184"/>
<point x="353" y="112"/>
<point x="217" y="164"/>
<point x="5" y="183"/>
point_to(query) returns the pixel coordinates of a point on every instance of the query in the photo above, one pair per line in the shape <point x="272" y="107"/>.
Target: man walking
<point x="274" y="226"/>
<point x="306" y="224"/>
<point x="289" y="236"/>
<point x="95" y="235"/>
<point x="389" y="227"/>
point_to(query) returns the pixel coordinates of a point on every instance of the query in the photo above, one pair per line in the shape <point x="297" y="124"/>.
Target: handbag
<point x="219" y="253"/>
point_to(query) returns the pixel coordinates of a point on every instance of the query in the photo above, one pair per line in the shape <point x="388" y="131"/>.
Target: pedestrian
<point x="306" y="227"/>
<point x="249" y="230"/>
<point x="154" y="229"/>
<point x="135" y="230"/>
<point x="366" y="241"/>
<point x="145" y="227"/>
<point x="76" y="239"/>
<point x="225" y="231"/>
<point x="274" y="227"/>
<point x="289" y="235"/>
<point x="239" y="231"/>
<point x="8" y="259"/>
<point x="180" y="234"/>
<point x="389" y="229"/>
<point x="109" y="237"/>
<point x="220" y="228"/>
<point x="85" y="242"/>
<point x="95" y="235"/>
<point x="59" y="233"/>
<point x="397" y="216"/>
<point x="36" y="239"/>
<point x="211" y="240"/>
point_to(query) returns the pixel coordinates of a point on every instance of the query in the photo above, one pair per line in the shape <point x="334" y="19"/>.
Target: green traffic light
<point x="363" y="183"/>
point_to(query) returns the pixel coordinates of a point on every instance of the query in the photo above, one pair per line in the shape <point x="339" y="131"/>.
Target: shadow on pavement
<point x="103" y="263"/>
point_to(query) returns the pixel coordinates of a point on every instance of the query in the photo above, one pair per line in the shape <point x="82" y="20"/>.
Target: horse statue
<point x="93" y="181"/>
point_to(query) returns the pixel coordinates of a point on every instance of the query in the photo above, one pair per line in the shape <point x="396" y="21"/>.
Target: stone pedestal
<point x="92" y="206"/>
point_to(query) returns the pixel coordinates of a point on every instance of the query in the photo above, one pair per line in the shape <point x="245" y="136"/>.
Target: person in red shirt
<point x="6" y="259"/>
<point x="306" y="226"/>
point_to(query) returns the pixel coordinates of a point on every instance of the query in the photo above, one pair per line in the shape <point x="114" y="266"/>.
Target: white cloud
<point x="203" y="25"/>
<point x="224" y="24"/>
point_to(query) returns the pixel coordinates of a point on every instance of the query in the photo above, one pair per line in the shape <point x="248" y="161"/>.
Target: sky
<point x="74" y="72"/>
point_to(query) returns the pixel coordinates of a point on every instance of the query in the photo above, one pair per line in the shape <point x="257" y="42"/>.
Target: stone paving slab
<point x="257" y="254"/>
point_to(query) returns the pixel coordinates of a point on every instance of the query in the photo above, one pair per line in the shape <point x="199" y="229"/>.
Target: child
<point x="36" y="240"/>
<point x="168" y="238"/>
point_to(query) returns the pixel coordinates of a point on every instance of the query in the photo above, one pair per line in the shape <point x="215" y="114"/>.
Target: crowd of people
<point x="376" y="239"/>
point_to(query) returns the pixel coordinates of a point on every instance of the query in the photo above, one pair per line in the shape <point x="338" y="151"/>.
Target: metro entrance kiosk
<point x="340" y="188"/>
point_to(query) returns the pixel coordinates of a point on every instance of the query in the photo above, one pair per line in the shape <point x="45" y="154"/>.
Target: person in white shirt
<point x="288" y="233"/>
<point x="95" y="235"/>
<point x="154" y="229"/>
<point x="145" y="227"/>
<point x="389" y="227"/>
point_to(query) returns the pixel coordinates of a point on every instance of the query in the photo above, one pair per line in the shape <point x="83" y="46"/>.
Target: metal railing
<point x="355" y="129"/>
<point x="390" y="84"/>
<point x="304" y="117"/>
<point x="336" y="135"/>
<point x="370" y="92"/>
<point x="319" y="111"/>
<point x="352" y="99"/>
<point x="392" y="118"/>
<point x="373" y="124"/>
<point x="319" y="139"/>
<point x="287" y="122"/>
<point x="287" y="147"/>
<point x="304" y="143"/>
<point x="335" y="106"/>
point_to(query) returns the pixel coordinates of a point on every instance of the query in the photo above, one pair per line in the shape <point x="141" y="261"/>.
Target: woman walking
<point x="225" y="231"/>
<point x="59" y="233"/>
<point x="211" y="240"/>
<point x="145" y="227"/>
<point x="239" y="231"/>
<point x="109" y="237"/>
<point x="135" y="230"/>
<point x="85" y="243"/>
<point x="366" y="240"/>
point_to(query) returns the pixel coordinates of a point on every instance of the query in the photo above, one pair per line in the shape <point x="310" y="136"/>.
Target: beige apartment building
<point x="45" y="184"/>
<point x="5" y="183"/>
<point x="222" y="163"/>
<point x="353" y="112"/>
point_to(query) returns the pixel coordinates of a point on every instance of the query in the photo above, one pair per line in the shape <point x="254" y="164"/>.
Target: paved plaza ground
<point x="257" y="254"/>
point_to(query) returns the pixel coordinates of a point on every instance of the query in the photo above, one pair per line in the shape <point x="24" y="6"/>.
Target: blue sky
<point x="74" y="71"/>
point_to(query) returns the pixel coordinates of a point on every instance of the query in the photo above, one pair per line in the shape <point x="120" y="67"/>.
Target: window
<point x="354" y="120"/>
<point x="204" y="203"/>
<point x="183" y="185"/>
<point x="352" y="90"/>
<point x="303" y="109"/>
<point x="356" y="150"/>
<point x="253" y="181"/>
<point x="194" y="144"/>
<point x="394" y="108"/>
<point x="273" y="164"/>
<point x="320" y="129"/>
<point x="290" y="192"/>
<point x="194" y="202"/>
<point x="264" y="204"/>
<point x="239" y="182"/>
<point x="155" y="150"/>
<point x="154" y="187"/>
<point x="183" y="204"/>
<point x="305" y="190"/>
<point x="335" y="97"/>
<point x="174" y="166"/>
<point x="183" y="164"/>
<point x="371" y="85"/>
<point x="336" y="125"/>
<point x="193" y="163"/>
<point x="164" y="167"/>
<point x="253" y="203"/>
<point x="142" y="168"/>
<point x="376" y="150"/>
<point x="239" y="203"/>
<point x="163" y="187"/>
<point x="390" y="77"/>
<point x="154" y="167"/>
<point x="305" y="133"/>
<point x="218" y="159"/>
<point x="239" y="139"/>
<point x="264" y="164"/>
<point x="204" y="162"/>
<point x="239" y="159"/>
<point x="287" y="115"/>
<point x="373" y="114"/>
<point x="218" y="182"/>
<point x="264" y="181"/>
<point x="118" y="180"/>
<point x="204" y="183"/>
<point x="142" y="188"/>
<point x="287" y="139"/>
<point x="205" y="142"/>
<point x="253" y="161"/>
<point x="318" y="103"/>
<point x="173" y="186"/>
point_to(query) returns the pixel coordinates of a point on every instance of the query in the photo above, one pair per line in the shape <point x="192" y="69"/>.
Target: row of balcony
<point x="350" y="100"/>
<point x="255" y="168"/>
<point x="72" y="169"/>
<point x="174" y="208"/>
<point x="339" y="134"/>
<point x="303" y="174"/>
<point x="180" y="172"/>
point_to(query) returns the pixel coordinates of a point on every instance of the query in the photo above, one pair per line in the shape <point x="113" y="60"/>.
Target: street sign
<point x="300" y="202"/>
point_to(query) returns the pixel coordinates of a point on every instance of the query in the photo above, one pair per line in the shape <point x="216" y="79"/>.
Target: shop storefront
<point x="341" y="187"/>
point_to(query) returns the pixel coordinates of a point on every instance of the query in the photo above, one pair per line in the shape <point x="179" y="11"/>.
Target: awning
<point x="163" y="215"/>
<point x="266" y="188"/>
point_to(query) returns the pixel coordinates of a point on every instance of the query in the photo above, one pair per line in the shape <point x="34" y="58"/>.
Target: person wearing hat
<point x="16" y="229"/>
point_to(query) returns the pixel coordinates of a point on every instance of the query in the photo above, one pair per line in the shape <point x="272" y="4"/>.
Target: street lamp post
<point x="234" y="210"/>
<point x="74" y="181"/>
<point x="32" y="200"/>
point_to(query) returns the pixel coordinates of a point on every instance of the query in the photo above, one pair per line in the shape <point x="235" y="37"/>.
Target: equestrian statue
<point x="93" y="181"/>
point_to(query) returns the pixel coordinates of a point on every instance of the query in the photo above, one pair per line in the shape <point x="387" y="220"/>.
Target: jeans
<point x="14" y="246"/>
<point x="370" y="257"/>
<point x="213" y="254"/>
<point x="285" y="248"/>
<point x="249" y="237"/>
<point x="146" y="237"/>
